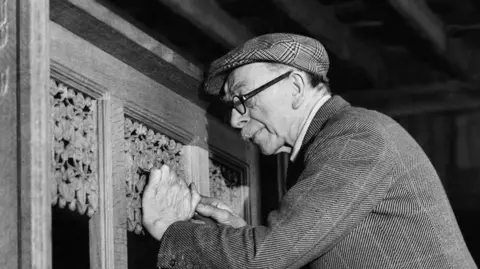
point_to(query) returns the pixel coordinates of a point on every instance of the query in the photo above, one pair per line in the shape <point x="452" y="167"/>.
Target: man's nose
<point x="238" y="120"/>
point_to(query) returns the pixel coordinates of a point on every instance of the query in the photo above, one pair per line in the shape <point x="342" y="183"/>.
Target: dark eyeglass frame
<point x="238" y="100"/>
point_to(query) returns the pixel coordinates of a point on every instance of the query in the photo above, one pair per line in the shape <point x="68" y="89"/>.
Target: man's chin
<point x="272" y="151"/>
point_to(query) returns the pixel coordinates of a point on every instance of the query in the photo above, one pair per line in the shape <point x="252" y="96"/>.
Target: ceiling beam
<point x="321" y="22"/>
<point x="209" y="17"/>
<point x="462" y="59"/>
<point x="418" y="99"/>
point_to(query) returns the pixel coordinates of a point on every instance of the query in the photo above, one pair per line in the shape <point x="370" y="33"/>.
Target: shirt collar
<point x="305" y="125"/>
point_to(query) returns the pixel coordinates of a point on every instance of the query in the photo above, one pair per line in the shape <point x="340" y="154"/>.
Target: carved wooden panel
<point x="229" y="185"/>
<point x="158" y="125"/>
<point x="75" y="156"/>
<point x="146" y="149"/>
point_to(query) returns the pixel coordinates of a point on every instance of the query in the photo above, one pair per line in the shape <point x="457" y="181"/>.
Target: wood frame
<point x="94" y="23"/>
<point x="24" y="159"/>
<point x="109" y="225"/>
<point x="146" y="99"/>
<point x="242" y="168"/>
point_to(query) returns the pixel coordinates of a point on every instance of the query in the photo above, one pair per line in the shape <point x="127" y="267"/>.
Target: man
<point x="362" y="193"/>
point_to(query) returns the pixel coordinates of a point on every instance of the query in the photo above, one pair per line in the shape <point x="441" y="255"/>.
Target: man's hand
<point x="217" y="210"/>
<point x="166" y="199"/>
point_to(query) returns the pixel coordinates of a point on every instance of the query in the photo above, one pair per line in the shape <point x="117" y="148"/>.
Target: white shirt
<point x="305" y="124"/>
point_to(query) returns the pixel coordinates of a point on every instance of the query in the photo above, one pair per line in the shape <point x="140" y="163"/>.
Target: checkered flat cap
<point x="302" y="52"/>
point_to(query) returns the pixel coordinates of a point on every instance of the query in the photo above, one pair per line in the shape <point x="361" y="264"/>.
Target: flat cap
<point x="302" y="52"/>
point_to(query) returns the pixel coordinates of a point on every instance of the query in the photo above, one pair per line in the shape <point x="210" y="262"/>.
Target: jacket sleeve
<point x="347" y="173"/>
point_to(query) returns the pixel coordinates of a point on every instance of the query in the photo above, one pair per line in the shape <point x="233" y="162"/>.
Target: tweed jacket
<point x="362" y="194"/>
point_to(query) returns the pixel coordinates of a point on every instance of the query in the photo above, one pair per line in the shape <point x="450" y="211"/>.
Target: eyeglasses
<point x="238" y="101"/>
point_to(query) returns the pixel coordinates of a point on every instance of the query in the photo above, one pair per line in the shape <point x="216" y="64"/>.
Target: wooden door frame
<point x="25" y="203"/>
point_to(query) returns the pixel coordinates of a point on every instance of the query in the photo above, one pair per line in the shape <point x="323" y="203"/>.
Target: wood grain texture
<point x="110" y="18"/>
<point x="145" y="99"/>
<point x="9" y="172"/>
<point x="34" y="120"/>
<point x="195" y="161"/>
<point x="213" y="20"/>
<point x="108" y="232"/>
<point x="156" y="105"/>
<point x="109" y="39"/>
<point x="254" y="203"/>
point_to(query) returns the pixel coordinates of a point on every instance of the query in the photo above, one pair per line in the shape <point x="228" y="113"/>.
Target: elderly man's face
<point x="267" y="118"/>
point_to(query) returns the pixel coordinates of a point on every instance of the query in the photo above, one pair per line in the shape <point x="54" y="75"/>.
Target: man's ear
<point x="298" y="94"/>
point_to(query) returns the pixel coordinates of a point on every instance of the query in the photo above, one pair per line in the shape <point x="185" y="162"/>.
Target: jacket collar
<point x="332" y="107"/>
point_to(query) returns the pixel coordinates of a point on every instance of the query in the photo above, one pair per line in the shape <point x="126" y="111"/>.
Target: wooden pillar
<point x="108" y="230"/>
<point x="24" y="141"/>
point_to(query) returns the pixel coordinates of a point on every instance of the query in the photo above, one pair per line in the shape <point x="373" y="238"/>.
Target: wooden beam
<point x="32" y="76"/>
<point x="211" y="19"/>
<point x="462" y="59"/>
<point x="418" y="99"/>
<point x="114" y="35"/>
<point x="113" y="17"/>
<point x="321" y="22"/>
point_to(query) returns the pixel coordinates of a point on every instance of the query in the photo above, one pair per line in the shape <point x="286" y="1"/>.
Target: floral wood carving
<point x="146" y="149"/>
<point x="227" y="185"/>
<point x="74" y="165"/>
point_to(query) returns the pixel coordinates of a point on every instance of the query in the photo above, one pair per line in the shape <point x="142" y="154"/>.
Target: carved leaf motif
<point x="66" y="192"/>
<point x="93" y="199"/>
<point x="72" y="205"/>
<point x="74" y="149"/>
<point x="81" y="196"/>
<point x="81" y="207"/>
<point x="145" y="149"/>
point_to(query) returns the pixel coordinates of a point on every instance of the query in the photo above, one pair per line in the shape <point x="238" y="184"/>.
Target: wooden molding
<point x="25" y="145"/>
<point x="108" y="231"/>
<point x="106" y="16"/>
<point x="120" y="39"/>
<point x="33" y="123"/>
<point x="321" y="22"/>
<point x="211" y="19"/>
<point x="231" y="182"/>
<point x="463" y="60"/>
<point x="10" y="162"/>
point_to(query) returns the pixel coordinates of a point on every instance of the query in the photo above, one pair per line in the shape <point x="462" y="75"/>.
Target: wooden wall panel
<point x="196" y="167"/>
<point x="145" y="99"/>
<point x="153" y="111"/>
<point x="8" y="136"/>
